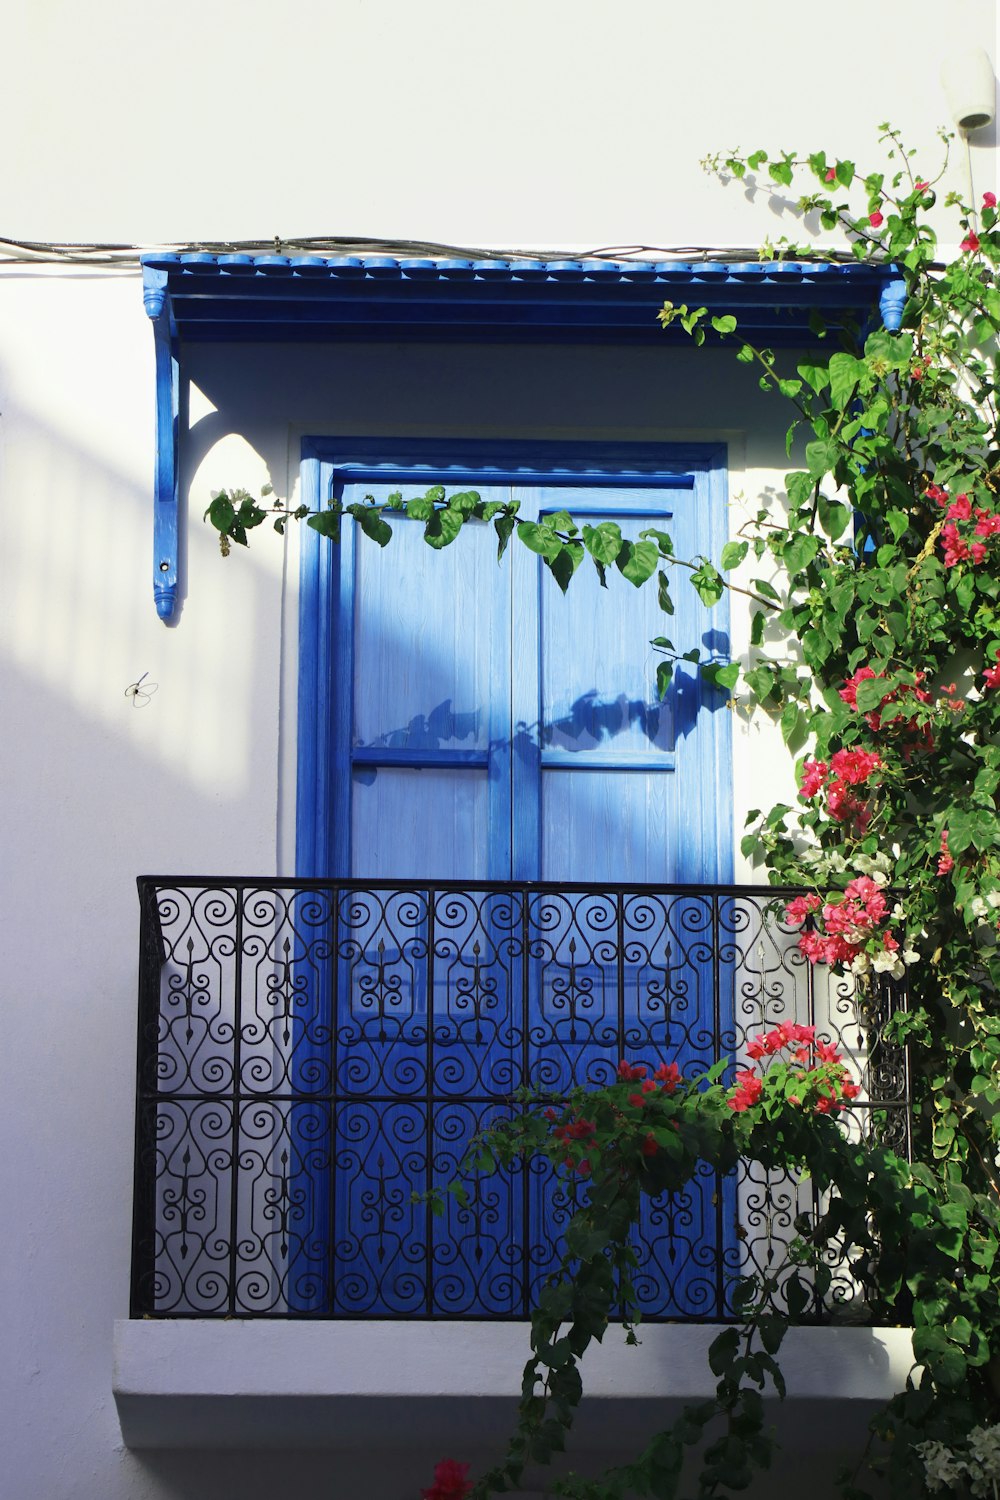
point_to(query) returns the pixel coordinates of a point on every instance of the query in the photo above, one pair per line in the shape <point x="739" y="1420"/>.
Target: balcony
<point x="312" y="1054"/>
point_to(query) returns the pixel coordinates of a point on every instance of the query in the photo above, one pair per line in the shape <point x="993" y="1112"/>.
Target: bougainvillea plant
<point x="874" y="603"/>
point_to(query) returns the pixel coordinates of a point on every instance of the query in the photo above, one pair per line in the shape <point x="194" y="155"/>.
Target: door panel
<point x="494" y="729"/>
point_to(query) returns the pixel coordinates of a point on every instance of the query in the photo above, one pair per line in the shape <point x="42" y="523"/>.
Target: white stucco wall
<point x="534" y="125"/>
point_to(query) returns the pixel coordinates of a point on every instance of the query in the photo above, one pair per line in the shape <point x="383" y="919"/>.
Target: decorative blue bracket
<point x="891" y="302"/>
<point x="165" y="502"/>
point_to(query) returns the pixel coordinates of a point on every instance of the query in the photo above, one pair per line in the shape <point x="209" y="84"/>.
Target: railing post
<point x="151" y="958"/>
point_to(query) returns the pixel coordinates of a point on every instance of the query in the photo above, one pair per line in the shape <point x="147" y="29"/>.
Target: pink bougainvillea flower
<point x="450" y="1482"/>
<point x="854" y="766"/>
<point x="850" y="1090"/>
<point x="992" y="674"/>
<point x="637" y="1100"/>
<point x="945" y="861"/>
<point x="798" y="909"/>
<point x="876" y="220"/>
<point x="748" y="1090"/>
<point x="849" y="692"/>
<point x="971" y="242"/>
<point x="936" y="493"/>
<point x="814" y="773"/>
<point x="960" y="509"/>
<point x="668" y="1075"/>
<point x="649" y="1146"/>
<point x="629" y="1073"/>
<point x="921" y="186"/>
<point x="989" y="200"/>
<point x="831" y="174"/>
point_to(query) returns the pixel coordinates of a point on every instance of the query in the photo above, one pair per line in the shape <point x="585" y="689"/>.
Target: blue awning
<point x="240" y="298"/>
<point x="317" y="299"/>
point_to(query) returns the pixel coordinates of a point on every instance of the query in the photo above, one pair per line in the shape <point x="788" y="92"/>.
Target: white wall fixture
<point x="970" y="88"/>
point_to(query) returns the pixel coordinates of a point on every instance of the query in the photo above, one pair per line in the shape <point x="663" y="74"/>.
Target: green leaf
<point x="565" y="564"/>
<point x="327" y="523"/>
<point x="420" y="508"/>
<point x="833" y="517"/>
<point x="603" y="542"/>
<point x="708" y="582"/>
<point x="845" y="373"/>
<point x="757" y="622"/>
<point x="733" y="554"/>
<point x="539" y="538"/>
<point x="899" y="523"/>
<point x="725" y="324"/>
<point x="221" y="513"/>
<point x="371" y="523"/>
<point x="504" y="527"/>
<point x="723" y="1350"/>
<point x="664" y="677"/>
<point x="772" y="1330"/>
<point x="637" y="561"/>
<point x="663" y="598"/>
<point x="723" y="676"/>
<point x="442" y="528"/>
<point x="815" y="376"/>
<point x="822" y="455"/>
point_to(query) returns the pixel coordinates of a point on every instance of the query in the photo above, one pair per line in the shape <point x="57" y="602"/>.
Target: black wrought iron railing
<point x="311" y="1054"/>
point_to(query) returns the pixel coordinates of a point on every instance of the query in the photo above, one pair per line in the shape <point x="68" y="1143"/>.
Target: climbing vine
<point x="873" y="592"/>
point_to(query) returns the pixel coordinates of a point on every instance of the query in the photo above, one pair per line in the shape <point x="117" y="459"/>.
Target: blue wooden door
<point x="492" y="729"/>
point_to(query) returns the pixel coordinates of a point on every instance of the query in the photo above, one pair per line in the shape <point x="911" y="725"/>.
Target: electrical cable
<point x="109" y="255"/>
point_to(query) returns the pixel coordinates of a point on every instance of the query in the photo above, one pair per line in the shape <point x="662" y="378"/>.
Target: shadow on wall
<point x="79" y="618"/>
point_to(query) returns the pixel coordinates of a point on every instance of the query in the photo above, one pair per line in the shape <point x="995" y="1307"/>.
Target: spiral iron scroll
<point x="311" y="1056"/>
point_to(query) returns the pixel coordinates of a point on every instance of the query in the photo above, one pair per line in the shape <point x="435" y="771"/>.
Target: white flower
<point x="880" y="877"/>
<point x="941" y="1466"/>
<point x="861" y="964"/>
<point x="898" y="912"/>
<point x="873" y="865"/>
<point x="993" y="899"/>
<point x="984" y="1445"/>
<point x="888" y="962"/>
<point x="910" y="955"/>
<point x="977" y="906"/>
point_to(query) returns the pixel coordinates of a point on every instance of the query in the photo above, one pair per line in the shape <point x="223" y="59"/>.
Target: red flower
<point x="945" y="861"/>
<point x="798" y="909"/>
<point x="748" y="1090"/>
<point x="649" y="1146"/>
<point x="668" y="1075"/>
<point x="831" y="174"/>
<point x="921" y="186"/>
<point x="450" y="1482"/>
<point x="551" y="1115"/>
<point x="875" y="219"/>
<point x="854" y="766"/>
<point x="971" y="242"/>
<point x="849" y="692"/>
<point x="814" y="773"/>
<point x="636" y="1100"/>
<point x="824" y="1104"/>
<point x="850" y="1090"/>
<point x="991" y="676"/>
<point x="989" y="200"/>
<point x="629" y="1074"/>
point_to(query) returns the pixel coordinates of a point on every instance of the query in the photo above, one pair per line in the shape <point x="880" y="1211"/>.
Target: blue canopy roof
<point x="315" y="298"/>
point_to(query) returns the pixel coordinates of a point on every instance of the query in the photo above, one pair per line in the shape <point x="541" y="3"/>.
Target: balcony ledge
<point x="209" y="1383"/>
